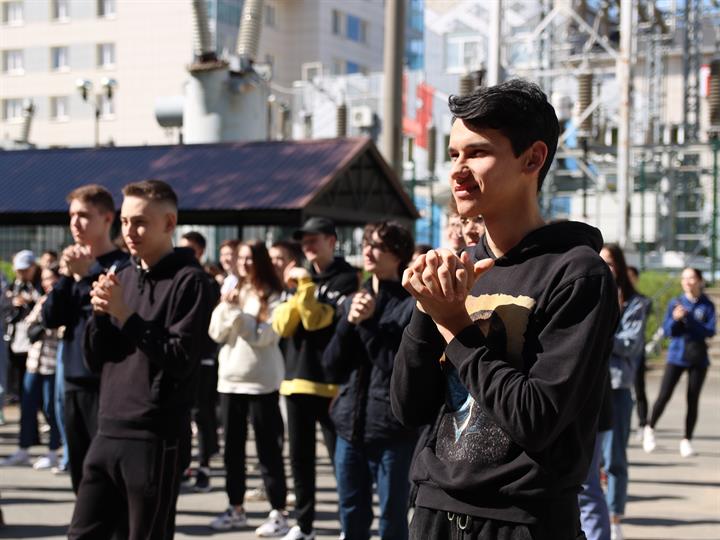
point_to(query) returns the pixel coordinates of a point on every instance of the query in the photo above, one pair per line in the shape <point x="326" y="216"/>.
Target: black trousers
<point x="16" y="374"/>
<point x="430" y="524"/>
<point x="129" y="486"/>
<point x="303" y="412"/>
<point x="81" y="421"/>
<point x="205" y="415"/>
<point x="640" y="395"/>
<point x="696" y="378"/>
<point x="264" y="411"/>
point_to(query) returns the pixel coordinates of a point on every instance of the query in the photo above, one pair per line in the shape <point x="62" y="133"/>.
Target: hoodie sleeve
<point x="671" y="327"/>
<point x="629" y="340"/>
<point x="60" y="303"/>
<point x="224" y="319"/>
<point x="314" y="315"/>
<point x="381" y="338"/>
<point x="339" y="356"/>
<point x="177" y="348"/>
<point x="263" y="334"/>
<point x="534" y="408"/>
<point x="417" y="385"/>
<point x="104" y="342"/>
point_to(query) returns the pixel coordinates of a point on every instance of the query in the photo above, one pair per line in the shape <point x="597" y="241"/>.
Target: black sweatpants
<point x="127" y="479"/>
<point x="204" y="413"/>
<point x="81" y="421"/>
<point x="303" y="412"/>
<point x="696" y="378"/>
<point x="264" y="411"/>
<point x="640" y="395"/>
<point x="430" y="524"/>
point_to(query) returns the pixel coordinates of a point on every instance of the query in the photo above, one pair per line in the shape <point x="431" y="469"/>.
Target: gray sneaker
<point x="230" y="519"/>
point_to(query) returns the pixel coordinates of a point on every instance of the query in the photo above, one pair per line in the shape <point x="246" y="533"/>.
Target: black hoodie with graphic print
<point x="515" y="398"/>
<point x="149" y="365"/>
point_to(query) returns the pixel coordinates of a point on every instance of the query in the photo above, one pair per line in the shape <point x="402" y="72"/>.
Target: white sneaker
<point x="639" y="434"/>
<point x="649" y="443"/>
<point x="21" y="458"/>
<point x="686" y="449"/>
<point x="275" y="526"/>
<point x="616" y="532"/>
<point x="296" y="534"/>
<point x="230" y="519"/>
<point x="46" y="462"/>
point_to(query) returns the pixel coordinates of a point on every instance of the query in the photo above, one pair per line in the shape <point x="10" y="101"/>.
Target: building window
<point x="106" y="55"/>
<point x="464" y="53"/>
<point x="59" y="59"/>
<point x="270" y="15"/>
<point x="106" y="106"/>
<point x="13" y="13"/>
<point x="13" y="62"/>
<point x="12" y="109"/>
<point x="59" y="108"/>
<point x="60" y="10"/>
<point x="106" y="8"/>
<point x="356" y="29"/>
<point x="354" y="67"/>
<point x="337" y="25"/>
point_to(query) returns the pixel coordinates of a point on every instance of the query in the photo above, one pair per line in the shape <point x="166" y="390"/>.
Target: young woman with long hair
<point x="689" y="321"/>
<point x="249" y="375"/>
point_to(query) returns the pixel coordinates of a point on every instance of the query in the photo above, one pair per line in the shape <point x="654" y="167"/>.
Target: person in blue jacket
<point x="627" y="349"/>
<point x="689" y="321"/>
<point x="372" y="446"/>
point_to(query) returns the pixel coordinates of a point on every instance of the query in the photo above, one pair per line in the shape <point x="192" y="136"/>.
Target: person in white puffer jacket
<point x="250" y="371"/>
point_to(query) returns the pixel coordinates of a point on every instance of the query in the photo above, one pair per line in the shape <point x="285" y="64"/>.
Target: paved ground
<point x="670" y="497"/>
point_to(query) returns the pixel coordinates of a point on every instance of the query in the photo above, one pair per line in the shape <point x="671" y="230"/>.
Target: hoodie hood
<point x="556" y="237"/>
<point x="337" y="266"/>
<point x="165" y="268"/>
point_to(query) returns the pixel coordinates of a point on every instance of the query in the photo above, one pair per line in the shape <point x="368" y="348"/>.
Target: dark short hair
<point x="51" y="252"/>
<point x="232" y="244"/>
<point x="516" y="108"/>
<point x="422" y="248"/>
<point x="294" y="249"/>
<point x="397" y="239"/>
<point x="196" y="238"/>
<point x="152" y="190"/>
<point x="93" y="194"/>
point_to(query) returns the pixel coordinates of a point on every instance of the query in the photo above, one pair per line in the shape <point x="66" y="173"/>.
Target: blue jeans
<point x="38" y="392"/>
<point x="594" y="516"/>
<point x="387" y="464"/>
<point x="60" y="403"/>
<point x="615" y="451"/>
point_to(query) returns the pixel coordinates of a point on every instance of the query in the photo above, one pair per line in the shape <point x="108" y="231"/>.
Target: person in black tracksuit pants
<point x="145" y="339"/>
<point x="307" y="319"/>
<point x="92" y="212"/>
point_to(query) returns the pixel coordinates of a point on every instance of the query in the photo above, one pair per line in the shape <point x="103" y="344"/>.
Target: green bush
<point x="660" y="287"/>
<point x="7" y="269"/>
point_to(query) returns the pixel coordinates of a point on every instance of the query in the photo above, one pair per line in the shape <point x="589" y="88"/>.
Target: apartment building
<point x="129" y="53"/>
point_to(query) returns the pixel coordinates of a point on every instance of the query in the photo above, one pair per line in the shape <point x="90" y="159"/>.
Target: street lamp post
<point x="84" y="87"/>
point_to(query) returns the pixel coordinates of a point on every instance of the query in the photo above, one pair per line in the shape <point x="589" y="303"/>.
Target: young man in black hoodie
<point x="307" y="319"/>
<point x="92" y="212"/>
<point x="145" y="339"/>
<point x="509" y="341"/>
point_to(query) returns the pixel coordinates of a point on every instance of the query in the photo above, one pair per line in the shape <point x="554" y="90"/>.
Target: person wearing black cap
<point x="307" y="319"/>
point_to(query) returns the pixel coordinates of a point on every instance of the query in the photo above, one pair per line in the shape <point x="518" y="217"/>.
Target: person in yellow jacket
<point x="307" y="321"/>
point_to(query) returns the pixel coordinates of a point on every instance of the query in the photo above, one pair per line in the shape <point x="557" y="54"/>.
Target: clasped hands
<point x="440" y="281"/>
<point x="106" y="297"/>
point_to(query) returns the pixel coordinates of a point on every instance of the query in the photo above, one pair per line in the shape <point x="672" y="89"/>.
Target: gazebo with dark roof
<point x="257" y="183"/>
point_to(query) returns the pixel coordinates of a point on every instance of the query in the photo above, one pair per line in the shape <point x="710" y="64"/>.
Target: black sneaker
<point x="202" y="480"/>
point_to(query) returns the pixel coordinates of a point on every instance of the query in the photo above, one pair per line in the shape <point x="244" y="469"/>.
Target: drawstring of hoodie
<point x="461" y="522"/>
<point x="144" y="277"/>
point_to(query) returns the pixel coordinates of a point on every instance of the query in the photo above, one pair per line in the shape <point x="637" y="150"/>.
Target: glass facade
<point x="414" y="35"/>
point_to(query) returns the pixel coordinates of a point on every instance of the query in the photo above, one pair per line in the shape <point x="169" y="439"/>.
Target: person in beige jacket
<point x="249" y="375"/>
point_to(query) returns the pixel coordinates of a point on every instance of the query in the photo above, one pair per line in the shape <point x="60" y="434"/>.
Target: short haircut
<point x="422" y="248"/>
<point x="232" y="244"/>
<point x="293" y="249"/>
<point x="93" y="194"/>
<point x="397" y="239"/>
<point x="516" y="108"/>
<point x="152" y="190"/>
<point x="196" y="238"/>
<point x="51" y="252"/>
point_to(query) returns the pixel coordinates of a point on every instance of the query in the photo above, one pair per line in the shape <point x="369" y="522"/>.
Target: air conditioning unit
<point x="361" y="117"/>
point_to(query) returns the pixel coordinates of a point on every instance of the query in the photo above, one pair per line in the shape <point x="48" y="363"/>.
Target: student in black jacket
<point x="372" y="446"/>
<point x="517" y="360"/>
<point x="92" y="211"/>
<point x="145" y="338"/>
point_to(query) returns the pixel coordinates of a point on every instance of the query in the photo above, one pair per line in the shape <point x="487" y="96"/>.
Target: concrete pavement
<point x="671" y="498"/>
